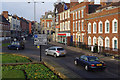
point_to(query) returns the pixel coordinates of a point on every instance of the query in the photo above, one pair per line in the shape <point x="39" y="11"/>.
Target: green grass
<point x="13" y="74"/>
<point x="5" y="44"/>
<point x="33" y="71"/>
<point x="10" y="58"/>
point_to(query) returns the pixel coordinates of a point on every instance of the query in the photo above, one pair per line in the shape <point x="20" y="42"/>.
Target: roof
<point x="3" y="19"/>
<point x="110" y="4"/>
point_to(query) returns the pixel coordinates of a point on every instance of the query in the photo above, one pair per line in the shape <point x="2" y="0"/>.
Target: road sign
<point x="40" y="39"/>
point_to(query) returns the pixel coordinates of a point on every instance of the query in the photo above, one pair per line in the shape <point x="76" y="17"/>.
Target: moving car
<point x="90" y="62"/>
<point x="17" y="45"/>
<point x="55" y="51"/>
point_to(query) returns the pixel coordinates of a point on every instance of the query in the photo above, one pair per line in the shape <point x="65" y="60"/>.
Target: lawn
<point x="5" y="44"/>
<point x="12" y="58"/>
<point x="13" y="74"/>
<point x="32" y="71"/>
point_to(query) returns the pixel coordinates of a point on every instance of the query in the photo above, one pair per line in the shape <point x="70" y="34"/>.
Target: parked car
<point x="17" y="45"/>
<point x="55" y="51"/>
<point x="90" y="62"/>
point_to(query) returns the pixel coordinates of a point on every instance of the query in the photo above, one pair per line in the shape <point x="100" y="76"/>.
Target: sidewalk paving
<point x="86" y="52"/>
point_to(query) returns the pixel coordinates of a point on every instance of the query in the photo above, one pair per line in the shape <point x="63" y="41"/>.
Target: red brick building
<point x="103" y="28"/>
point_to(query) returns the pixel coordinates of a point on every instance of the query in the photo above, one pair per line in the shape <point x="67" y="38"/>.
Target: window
<point x="79" y="25"/>
<point x="73" y="26"/>
<point x="63" y="26"/>
<point x="76" y="25"/>
<point x="73" y="37"/>
<point x="68" y="25"/>
<point x="106" y="26"/>
<point x="73" y="17"/>
<point x="89" y="40"/>
<point x="82" y="13"/>
<point x="94" y="40"/>
<point x="115" y="44"/>
<point x="82" y="25"/>
<point x="79" y="14"/>
<point x="68" y="13"/>
<point x="100" y="27"/>
<point x="76" y="15"/>
<point x="107" y="43"/>
<point x="89" y="28"/>
<point x="82" y="37"/>
<point x="63" y="16"/>
<point x="94" y="27"/>
<point x="48" y="24"/>
<point x="114" y="26"/>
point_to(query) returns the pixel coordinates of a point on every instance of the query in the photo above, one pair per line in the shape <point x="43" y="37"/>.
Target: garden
<point x="23" y="68"/>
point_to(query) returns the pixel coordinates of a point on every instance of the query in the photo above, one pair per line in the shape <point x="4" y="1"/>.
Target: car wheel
<point x="55" y="55"/>
<point x="17" y="48"/>
<point x="86" y="68"/>
<point x="76" y="63"/>
<point x="46" y="53"/>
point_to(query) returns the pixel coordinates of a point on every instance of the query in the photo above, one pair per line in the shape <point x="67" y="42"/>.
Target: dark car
<point x="17" y="45"/>
<point x="90" y="62"/>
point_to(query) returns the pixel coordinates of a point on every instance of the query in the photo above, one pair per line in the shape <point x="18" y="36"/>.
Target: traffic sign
<point x="40" y="39"/>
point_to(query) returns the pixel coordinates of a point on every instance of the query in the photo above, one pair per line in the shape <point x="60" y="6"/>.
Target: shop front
<point x="63" y="38"/>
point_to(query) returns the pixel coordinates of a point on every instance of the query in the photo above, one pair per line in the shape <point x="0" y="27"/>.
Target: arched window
<point x="89" y="40"/>
<point x="107" y="43"/>
<point x="115" y="44"/>
<point x="107" y="26"/>
<point x="94" y="40"/>
<point x="115" y="26"/>
<point x="94" y="27"/>
<point x="100" y="27"/>
<point x="89" y="28"/>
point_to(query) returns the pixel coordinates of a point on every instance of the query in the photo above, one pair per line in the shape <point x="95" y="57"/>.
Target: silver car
<point x="55" y="51"/>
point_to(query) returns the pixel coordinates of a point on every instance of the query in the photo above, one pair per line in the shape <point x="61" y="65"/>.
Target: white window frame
<point x="107" y="21"/>
<point x="73" y="16"/>
<point x="82" y="15"/>
<point x="94" y="31"/>
<point x="107" y="45"/>
<point x="89" y="40"/>
<point x="76" y="25"/>
<point x="68" y="25"/>
<point x="63" y="15"/>
<point x="79" y="14"/>
<point x="73" y="26"/>
<point x="94" y="42"/>
<point x="79" y="25"/>
<point x="63" y="26"/>
<point x="113" y="27"/>
<point x="73" y="37"/>
<point x="99" y="27"/>
<point x="68" y="13"/>
<point x="113" y="46"/>
<point x="82" y="25"/>
<point x="76" y="15"/>
<point x="89" y="28"/>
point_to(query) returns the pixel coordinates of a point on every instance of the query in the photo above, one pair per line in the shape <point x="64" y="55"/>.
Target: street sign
<point x="40" y="39"/>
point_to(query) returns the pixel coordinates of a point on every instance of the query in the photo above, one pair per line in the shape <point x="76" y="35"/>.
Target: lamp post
<point x="34" y="13"/>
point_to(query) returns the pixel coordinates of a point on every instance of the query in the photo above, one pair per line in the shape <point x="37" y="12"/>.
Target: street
<point x="67" y="62"/>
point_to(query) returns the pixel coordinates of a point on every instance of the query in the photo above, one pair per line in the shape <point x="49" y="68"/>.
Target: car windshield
<point x="60" y="49"/>
<point x="15" y="43"/>
<point x="93" y="59"/>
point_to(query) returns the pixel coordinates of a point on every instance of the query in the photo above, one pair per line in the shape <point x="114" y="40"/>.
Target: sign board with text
<point x="40" y="39"/>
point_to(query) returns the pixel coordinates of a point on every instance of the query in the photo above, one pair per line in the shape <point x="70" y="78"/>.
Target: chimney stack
<point x="5" y="14"/>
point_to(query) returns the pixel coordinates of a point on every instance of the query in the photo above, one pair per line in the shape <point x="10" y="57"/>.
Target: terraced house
<point x="104" y="27"/>
<point x="92" y="24"/>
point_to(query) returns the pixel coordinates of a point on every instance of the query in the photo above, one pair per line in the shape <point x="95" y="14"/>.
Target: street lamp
<point x="34" y="12"/>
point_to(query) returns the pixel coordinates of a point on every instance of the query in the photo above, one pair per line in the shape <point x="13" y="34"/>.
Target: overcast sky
<point x="24" y="9"/>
